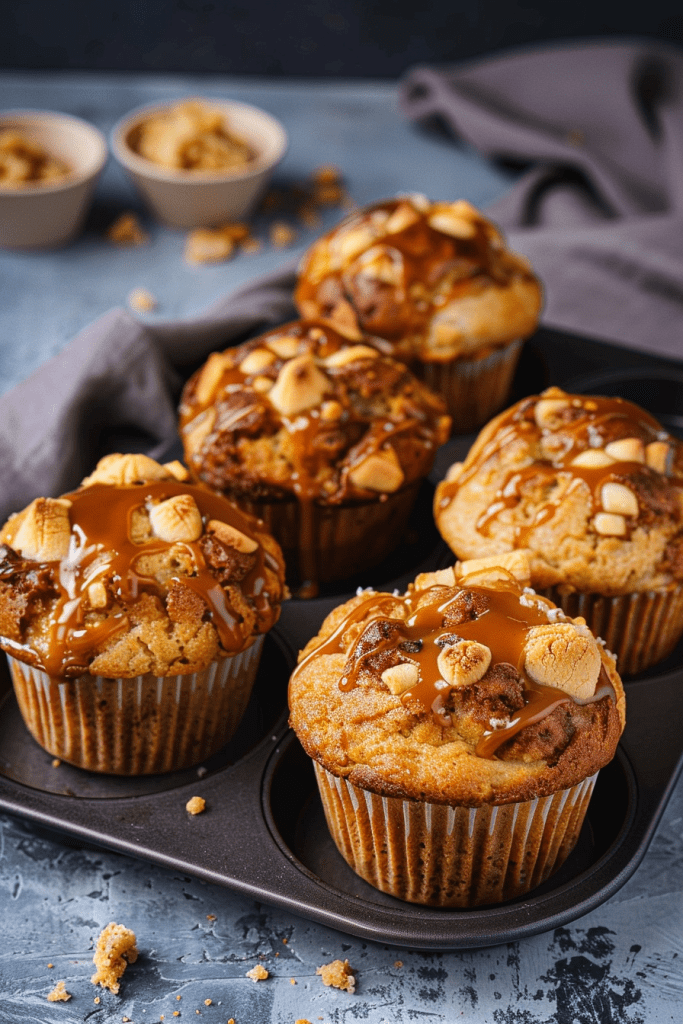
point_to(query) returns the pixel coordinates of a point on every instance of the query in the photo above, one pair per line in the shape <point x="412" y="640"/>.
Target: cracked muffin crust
<point x="591" y="488"/>
<point x="132" y="612"/>
<point x="438" y="284"/>
<point x="304" y="416"/>
<point x="456" y="732"/>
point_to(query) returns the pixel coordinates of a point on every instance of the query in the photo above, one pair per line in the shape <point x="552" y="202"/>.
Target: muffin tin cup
<point x="443" y="856"/>
<point x="140" y="725"/>
<point x="475" y="387"/>
<point x="640" y="629"/>
<point x="321" y="542"/>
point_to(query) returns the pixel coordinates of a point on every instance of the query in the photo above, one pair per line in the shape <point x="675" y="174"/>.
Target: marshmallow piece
<point x="177" y="470"/>
<point x="231" y="536"/>
<point x="658" y="456"/>
<point x="256" y="361"/>
<point x="609" y="524"/>
<point x="618" y="498"/>
<point x="547" y="410"/>
<point x="464" y="662"/>
<point x="626" y="449"/>
<point x="449" y="223"/>
<point x="176" y="519"/>
<point x="351" y="354"/>
<point x="210" y="377"/>
<point x="379" y="472"/>
<point x="593" y="458"/>
<point x="126" y="469"/>
<point x="400" y="678"/>
<point x="45" y="530"/>
<point x="565" y="656"/>
<point x="285" y="348"/>
<point x="300" y="385"/>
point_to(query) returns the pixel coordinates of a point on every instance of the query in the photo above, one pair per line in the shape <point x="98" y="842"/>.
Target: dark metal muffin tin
<point x="263" y="833"/>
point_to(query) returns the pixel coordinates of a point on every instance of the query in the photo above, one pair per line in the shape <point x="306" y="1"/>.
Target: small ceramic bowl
<point x="197" y="198"/>
<point x="42" y="216"/>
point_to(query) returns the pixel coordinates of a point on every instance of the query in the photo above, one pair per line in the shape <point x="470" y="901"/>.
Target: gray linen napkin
<point x="599" y="210"/>
<point x="115" y="388"/>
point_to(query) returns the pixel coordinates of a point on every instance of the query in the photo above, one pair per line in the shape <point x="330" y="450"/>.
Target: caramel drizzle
<point x="599" y="412"/>
<point x="502" y="628"/>
<point x="100" y="545"/>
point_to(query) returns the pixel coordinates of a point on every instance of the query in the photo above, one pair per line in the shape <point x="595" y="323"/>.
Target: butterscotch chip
<point x="115" y="949"/>
<point x="338" y="974"/>
<point x="195" y="805"/>
<point x="58" y="994"/>
<point x="258" y="973"/>
<point x="142" y="300"/>
<point x="127" y="230"/>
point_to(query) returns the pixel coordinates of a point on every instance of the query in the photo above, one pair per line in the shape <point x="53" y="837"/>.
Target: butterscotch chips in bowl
<point x="591" y="489"/>
<point x="456" y="732"/>
<point x="133" y="613"/>
<point x="436" y="281"/>
<point x="321" y="435"/>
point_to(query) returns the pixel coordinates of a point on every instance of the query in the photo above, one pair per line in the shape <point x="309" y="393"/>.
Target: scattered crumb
<point x="282" y="234"/>
<point x="97" y="1000"/>
<point x="302" y="1020"/>
<point x="258" y="973"/>
<point x="176" y="1013"/>
<point x="142" y="300"/>
<point x="114" y="951"/>
<point x="56" y="762"/>
<point x="277" y="954"/>
<point x="207" y="1002"/>
<point x="126" y="230"/>
<point x="231" y="1021"/>
<point x="50" y="965"/>
<point x="205" y="245"/>
<point x="398" y="963"/>
<point x="251" y="245"/>
<point x="202" y="771"/>
<point x="209" y="917"/>
<point x="327" y="174"/>
<point x="195" y="805"/>
<point x="338" y="974"/>
<point x="285" y="941"/>
<point x="179" y="998"/>
<point x="292" y="981"/>
<point x="59" y="994"/>
<point x="126" y="1020"/>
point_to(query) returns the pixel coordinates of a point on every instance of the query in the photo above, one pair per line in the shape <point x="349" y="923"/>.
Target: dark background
<point x="349" y="38"/>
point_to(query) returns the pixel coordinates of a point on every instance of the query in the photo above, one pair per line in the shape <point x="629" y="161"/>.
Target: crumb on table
<point x="195" y="805"/>
<point x="114" y="951"/>
<point x="282" y="234"/>
<point x="142" y="300"/>
<point x="58" y="994"/>
<point x="338" y="974"/>
<point x="258" y="973"/>
<point x="126" y="230"/>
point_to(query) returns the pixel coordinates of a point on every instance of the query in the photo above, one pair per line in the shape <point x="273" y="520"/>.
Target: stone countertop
<point x="621" y="964"/>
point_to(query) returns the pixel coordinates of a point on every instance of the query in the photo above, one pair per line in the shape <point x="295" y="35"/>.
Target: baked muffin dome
<point x="469" y="689"/>
<point x="434" y="279"/>
<point x="591" y="488"/>
<point x="302" y="411"/>
<point x="136" y="572"/>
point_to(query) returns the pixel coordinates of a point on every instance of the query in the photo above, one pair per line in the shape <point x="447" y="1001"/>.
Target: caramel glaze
<point x="596" y="422"/>
<point x="101" y="548"/>
<point x="425" y="256"/>
<point x="420" y="633"/>
<point x="315" y="442"/>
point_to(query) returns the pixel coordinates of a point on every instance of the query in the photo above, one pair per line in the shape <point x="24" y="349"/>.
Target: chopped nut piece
<point x="379" y="472"/>
<point x="400" y="678"/>
<point x="55" y="764"/>
<point x="609" y="524"/>
<point x="282" y="234"/>
<point x="626" y="449"/>
<point x="592" y="458"/>
<point x="439" y="578"/>
<point x="286" y="347"/>
<point x="258" y="973"/>
<point x="58" y="994"/>
<point x="177" y="470"/>
<point x="204" y="245"/>
<point x="658" y="456"/>
<point x="125" y="469"/>
<point x="461" y="208"/>
<point x="618" y="498"/>
<point x="404" y="216"/>
<point x="97" y="595"/>
<point x="352" y="354"/>
<point x="464" y="662"/>
<point x="256" y="361"/>
<point x="450" y="224"/>
<point x="127" y="230"/>
<point x="210" y="378"/>
<point x="141" y="300"/>
<point x="232" y="537"/>
<point x="515" y="562"/>
<point x="547" y="410"/>
<point x="114" y="951"/>
<point x="338" y="974"/>
<point x="562" y="655"/>
<point x="331" y="410"/>
<point x="262" y="384"/>
<point x="300" y="385"/>
<point x="177" y="519"/>
<point x="195" y="805"/>
<point x="352" y="242"/>
<point x="45" y="531"/>
<point x="198" y="429"/>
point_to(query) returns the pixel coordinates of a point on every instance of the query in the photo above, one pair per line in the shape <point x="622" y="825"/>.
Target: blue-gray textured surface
<point x="622" y="964"/>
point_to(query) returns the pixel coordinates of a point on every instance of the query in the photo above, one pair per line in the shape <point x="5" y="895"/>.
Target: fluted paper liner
<point x="141" y="725"/>
<point x="447" y="856"/>
<point x="474" y="387"/>
<point x="640" y="629"/>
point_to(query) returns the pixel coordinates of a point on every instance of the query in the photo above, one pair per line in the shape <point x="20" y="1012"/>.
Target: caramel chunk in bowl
<point x="201" y="162"/>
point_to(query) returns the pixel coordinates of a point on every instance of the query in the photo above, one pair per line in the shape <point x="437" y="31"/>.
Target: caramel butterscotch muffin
<point x="327" y="440"/>
<point x="591" y="489"/>
<point x="438" y="284"/>
<point x="456" y="732"/>
<point x="133" y="613"/>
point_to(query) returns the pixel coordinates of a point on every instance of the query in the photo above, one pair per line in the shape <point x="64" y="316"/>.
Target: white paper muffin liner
<point x="474" y="389"/>
<point x="446" y="856"/>
<point x="141" y="725"/>
<point x="639" y="629"/>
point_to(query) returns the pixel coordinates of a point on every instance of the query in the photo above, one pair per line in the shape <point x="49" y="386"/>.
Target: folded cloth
<point x="599" y="209"/>
<point x="114" y="388"/>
